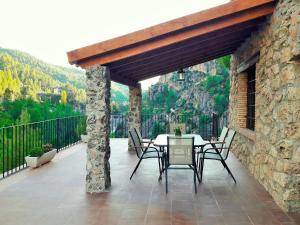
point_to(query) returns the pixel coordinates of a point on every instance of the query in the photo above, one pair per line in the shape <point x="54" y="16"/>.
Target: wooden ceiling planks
<point x="173" y="66"/>
<point x="180" y="53"/>
<point x="176" y="44"/>
<point x="237" y="30"/>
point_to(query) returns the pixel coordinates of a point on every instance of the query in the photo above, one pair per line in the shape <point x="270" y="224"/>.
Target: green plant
<point x="36" y="152"/>
<point x="177" y="131"/>
<point x="47" y="147"/>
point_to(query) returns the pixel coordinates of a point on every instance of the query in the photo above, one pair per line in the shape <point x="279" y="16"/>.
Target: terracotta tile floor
<point x="55" y="195"/>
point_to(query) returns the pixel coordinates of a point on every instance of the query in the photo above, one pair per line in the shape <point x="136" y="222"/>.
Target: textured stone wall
<point x="98" y="129"/>
<point x="135" y="110"/>
<point x="272" y="152"/>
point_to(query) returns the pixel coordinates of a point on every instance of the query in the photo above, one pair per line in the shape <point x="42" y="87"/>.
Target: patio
<point x="55" y="194"/>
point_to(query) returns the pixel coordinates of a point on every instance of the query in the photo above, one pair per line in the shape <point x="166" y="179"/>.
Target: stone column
<point x="98" y="129"/>
<point x="135" y="108"/>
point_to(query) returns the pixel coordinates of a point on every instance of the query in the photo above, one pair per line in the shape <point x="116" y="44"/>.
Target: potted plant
<point x="40" y="155"/>
<point x="177" y="131"/>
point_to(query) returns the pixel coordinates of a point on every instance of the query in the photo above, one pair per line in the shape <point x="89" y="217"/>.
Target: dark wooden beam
<point x="176" y="66"/>
<point x="236" y="30"/>
<point x="123" y="80"/>
<point x="196" y="62"/>
<point x="162" y="60"/>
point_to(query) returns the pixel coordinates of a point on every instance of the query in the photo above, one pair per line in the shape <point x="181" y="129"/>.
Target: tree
<point x="24" y="117"/>
<point x="63" y="98"/>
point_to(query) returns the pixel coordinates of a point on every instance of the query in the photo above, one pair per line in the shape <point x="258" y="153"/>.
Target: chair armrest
<point x="216" y="148"/>
<point x="146" y="141"/>
<point x="146" y="148"/>
<point x="217" y="142"/>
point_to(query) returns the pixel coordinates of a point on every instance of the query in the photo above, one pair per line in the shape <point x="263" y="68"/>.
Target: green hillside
<point x="31" y="88"/>
<point x="24" y="76"/>
<point x="58" y="73"/>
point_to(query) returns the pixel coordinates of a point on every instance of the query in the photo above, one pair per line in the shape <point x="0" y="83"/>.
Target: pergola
<point x="154" y="51"/>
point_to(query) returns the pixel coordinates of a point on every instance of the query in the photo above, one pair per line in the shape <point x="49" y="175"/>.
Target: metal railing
<point x="16" y="141"/>
<point x="154" y="124"/>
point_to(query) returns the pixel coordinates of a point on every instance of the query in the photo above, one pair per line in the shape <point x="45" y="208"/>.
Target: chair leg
<point x="202" y="167"/>
<point x="166" y="174"/>
<point x="228" y="170"/>
<point x="195" y="182"/>
<point x="160" y="168"/>
<point x="197" y="174"/>
<point x="199" y="166"/>
<point x="136" y="167"/>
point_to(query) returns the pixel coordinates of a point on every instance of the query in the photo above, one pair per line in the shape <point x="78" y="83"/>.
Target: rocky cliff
<point x="202" y="92"/>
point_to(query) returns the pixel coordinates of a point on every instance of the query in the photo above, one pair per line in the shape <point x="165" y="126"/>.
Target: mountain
<point x="204" y="91"/>
<point x="58" y="73"/>
<point x="25" y="76"/>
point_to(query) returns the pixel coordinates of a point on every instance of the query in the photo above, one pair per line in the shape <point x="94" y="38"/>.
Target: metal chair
<point x="219" y="142"/>
<point x="220" y="153"/>
<point x="144" y="152"/>
<point x="147" y="142"/>
<point x="181" y="152"/>
<point x="177" y="125"/>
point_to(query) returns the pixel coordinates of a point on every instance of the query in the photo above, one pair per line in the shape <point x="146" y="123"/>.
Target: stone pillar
<point x="135" y="108"/>
<point x="98" y="129"/>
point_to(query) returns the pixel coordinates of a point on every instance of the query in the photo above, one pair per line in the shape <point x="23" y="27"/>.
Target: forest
<point x="32" y="90"/>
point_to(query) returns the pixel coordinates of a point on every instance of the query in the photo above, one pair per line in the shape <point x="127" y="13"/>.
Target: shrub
<point x="36" y="152"/>
<point x="47" y="147"/>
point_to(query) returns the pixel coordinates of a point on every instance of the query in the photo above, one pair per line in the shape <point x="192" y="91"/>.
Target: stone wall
<point x="272" y="151"/>
<point x="135" y="110"/>
<point x="98" y="129"/>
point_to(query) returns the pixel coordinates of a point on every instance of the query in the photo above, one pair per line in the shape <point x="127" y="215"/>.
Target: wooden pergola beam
<point x="163" y="59"/>
<point x="191" y="63"/>
<point x="184" y="64"/>
<point x="114" y="49"/>
<point x="123" y="80"/>
<point x="248" y="27"/>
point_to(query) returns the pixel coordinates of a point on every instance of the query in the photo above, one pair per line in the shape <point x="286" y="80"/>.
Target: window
<point x="250" y="118"/>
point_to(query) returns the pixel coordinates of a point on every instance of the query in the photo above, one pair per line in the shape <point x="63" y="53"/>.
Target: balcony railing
<point x="154" y="124"/>
<point x="16" y="141"/>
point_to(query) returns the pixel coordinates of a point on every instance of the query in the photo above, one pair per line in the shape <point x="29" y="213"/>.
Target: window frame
<point x="251" y="92"/>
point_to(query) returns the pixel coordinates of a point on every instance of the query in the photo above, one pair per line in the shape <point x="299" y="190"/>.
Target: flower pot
<point x="84" y="138"/>
<point x="34" y="162"/>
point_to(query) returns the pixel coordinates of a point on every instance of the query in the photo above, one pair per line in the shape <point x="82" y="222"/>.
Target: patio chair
<point x="219" y="142"/>
<point x="177" y="125"/>
<point x="144" y="152"/>
<point x="145" y="142"/>
<point x="181" y="152"/>
<point x="220" y="153"/>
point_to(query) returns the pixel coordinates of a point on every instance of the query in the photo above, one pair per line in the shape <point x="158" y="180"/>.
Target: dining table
<point x="161" y="140"/>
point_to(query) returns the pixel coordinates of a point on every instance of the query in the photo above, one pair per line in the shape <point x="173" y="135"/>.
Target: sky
<point x="47" y="29"/>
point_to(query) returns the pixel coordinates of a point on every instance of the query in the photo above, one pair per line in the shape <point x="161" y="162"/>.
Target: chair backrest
<point x="138" y="133"/>
<point x="136" y="142"/>
<point x="180" y="151"/>
<point x="227" y="144"/>
<point x="223" y="134"/>
<point x="173" y="126"/>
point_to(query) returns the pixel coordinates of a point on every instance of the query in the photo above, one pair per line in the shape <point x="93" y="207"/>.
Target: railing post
<point x="57" y="135"/>
<point x="215" y="125"/>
